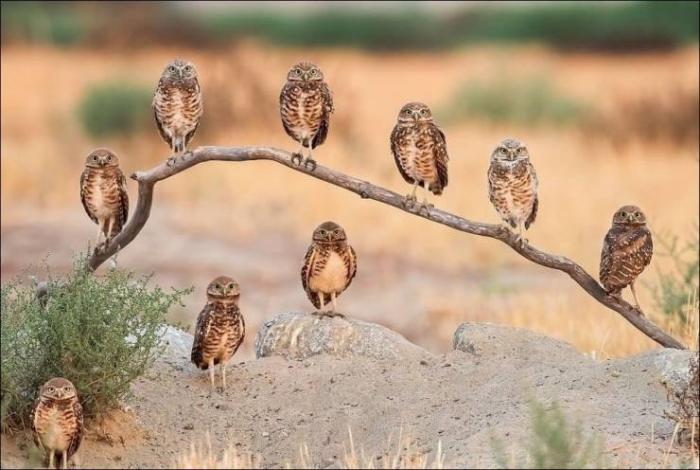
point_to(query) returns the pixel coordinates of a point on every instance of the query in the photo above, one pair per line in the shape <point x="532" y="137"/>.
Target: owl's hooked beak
<point x="59" y="393"/>
<point x="330" y="237"/>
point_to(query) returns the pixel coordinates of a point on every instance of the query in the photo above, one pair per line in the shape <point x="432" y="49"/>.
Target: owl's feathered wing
<point x="441" y="158"/>
<point x="83" y="195"/>
<point x="328" y="108"/>
<point x="77" y="436"/>
<point x="306" y="269"/>
<point x="123" y="196"/>
<point x="204" y="321"/>
<point x="625" y="255"/>
<point x="535" y="205"/>
<point x="395" y="139"/>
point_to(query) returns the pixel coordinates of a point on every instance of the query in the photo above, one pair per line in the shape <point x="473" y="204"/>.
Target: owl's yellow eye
<point x="51" y="389"/>
<point x="424" y="112"/>
<point x="623" y="214"/>
<point x="171" y="68"/>
<point x="188" y="68"/>
<point x="637" y="214"/>
<point x="94" y="157"/>
<point x="230" y="286"/>
<point x="109" y="158"/>
<point x="313" y="71"/>
<point x="297" y="71"/>
<point x="217" y="286"/>
<point x="66" y="389"/>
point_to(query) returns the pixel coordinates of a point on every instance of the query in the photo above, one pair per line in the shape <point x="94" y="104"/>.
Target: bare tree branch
<point x="366" y="190"/>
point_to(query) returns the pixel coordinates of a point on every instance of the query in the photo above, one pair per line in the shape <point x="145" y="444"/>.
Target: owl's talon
<point x="409" y="201"/>
<point x="297" y="158"/>
<point x="172" y="160"/>
<point x="186" y="155"/>
<point x="310" y="162"/>
<point x="425" y="209"/>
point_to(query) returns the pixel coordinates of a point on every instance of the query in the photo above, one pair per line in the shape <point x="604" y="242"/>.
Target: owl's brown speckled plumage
<point x="178" y="105"/>
<point x="103" y="193"/>
<point x="220" y="328"/>
<point x="329" y="266"/>
<point x="420" y="150"/>
<point x="306" y="104"/>
<point x="57" y="421"/>
<point x="513" y="185"/>
<point x="627" y="250"/>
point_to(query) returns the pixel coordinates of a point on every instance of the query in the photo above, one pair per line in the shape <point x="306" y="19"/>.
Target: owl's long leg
<point x="99" y="232"/>
<point x="335" y="312"/>
<point x="409" y="200"/>
<point x="634" y="294"/>
<point x="310" y="161"/>
<point x="50" y="458"/>
<point x="425" y="206"/>
<point x="320" y="301"/>
<point x="211" y="374"/>
<point x="298" y="157"/>
<point x="521" y="236"/>
<point x="223" y="376"/>
<point x="65" y="458"/>
<point x="109" y="229"/>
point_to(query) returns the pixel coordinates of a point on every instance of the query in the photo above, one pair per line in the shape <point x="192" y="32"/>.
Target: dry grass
<point x="583" y="180"/>
<point x="401" y="454"/>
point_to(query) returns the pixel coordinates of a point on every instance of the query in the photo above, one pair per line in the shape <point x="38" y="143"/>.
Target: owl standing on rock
<point x="513" y="185"/>
<point x="103" y="193"/>
<point x="306" y="105"/>
<point x="420" y="152"/>
<point x="329" y="267"/>
<point x="220" y="328"/>
<point x="178" y="106"/>
<point x="57" y="421"/>
<point x="627" y="250"/>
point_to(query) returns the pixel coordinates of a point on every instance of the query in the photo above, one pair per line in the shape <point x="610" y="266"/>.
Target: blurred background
<point x="605" y="95"/>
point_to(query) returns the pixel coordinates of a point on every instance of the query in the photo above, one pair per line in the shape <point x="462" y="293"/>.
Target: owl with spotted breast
<point x="329" y="267"/>
<point x="57" y="421"/>
<point x="512" y="183"/>
<point x="306" y="105"/>
<point x="627" y="250"/>
<point x="103" y="193"/>
<point x="178" y="106"/>
<point x="420" y="152"/>
<point x="220" y="328"/>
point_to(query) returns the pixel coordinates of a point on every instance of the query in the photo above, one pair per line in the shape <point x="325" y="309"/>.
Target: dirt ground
<point x="460" y="399"/>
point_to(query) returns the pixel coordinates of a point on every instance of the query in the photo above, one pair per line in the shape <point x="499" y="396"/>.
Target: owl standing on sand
<point x="329" y="266"/>
<point x="306" y="105"/>
<point x="420" y="151"/>
<point x="178" y="105"/>
<point x="513" y="185"/>
<point x="627" y="250"/>
<point x="57" y="421"/>
<point x="220" y="328"/>
<point x="103" y="193"/>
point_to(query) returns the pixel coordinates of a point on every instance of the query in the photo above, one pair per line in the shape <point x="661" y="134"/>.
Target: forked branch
<point x="366" y="190"/>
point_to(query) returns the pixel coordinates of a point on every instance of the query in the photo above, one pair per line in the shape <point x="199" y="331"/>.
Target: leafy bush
<point x="676" y="294"/>
<point x="42" y="22"/>
<point x="526" y="101"/>
<point x="115" y="107"/>
<point x="100" y="333"/>
<point x="685" y="407"/>
<point x="553" y="443"/>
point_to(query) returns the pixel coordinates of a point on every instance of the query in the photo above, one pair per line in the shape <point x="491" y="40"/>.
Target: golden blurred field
<point x="583" y="178"/>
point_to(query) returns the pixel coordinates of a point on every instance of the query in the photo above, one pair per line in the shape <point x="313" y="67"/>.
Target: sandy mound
<point x="317" y="377"/>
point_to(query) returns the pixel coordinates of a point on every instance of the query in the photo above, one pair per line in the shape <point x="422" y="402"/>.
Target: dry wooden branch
<point x="366" y="190"/>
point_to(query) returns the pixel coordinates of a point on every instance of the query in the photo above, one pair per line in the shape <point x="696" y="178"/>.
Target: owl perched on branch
<point x="220" y="328"/>
<point x="178" y="105"/>
<point x="306" y="105"/>
<point x="329" y="267"/>
<point x="103" y="193"/>
<point x="627" y="250"/>
<point x="57" y="421"/>
<point x="420" y="151"/>
<point x="513" y="185"/>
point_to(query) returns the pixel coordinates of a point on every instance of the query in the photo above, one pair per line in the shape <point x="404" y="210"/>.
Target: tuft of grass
<point x="676" y="291"/>
<point x="115" y="107"/>
<point x="528" y="101"/>
<point x="99" y="332"/>
<point x="554" y="442"/>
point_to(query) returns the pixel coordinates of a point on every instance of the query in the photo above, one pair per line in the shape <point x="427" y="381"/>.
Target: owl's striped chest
<point x="178" y="108"/>
<point x="225" y="333"/>
<point x="55" y="425"/>
<point x="101" y="192"/>
<point x="512" y="184"/>
<point x="416" y="157"/>
<point x="302" y="110"/>
<point x="329" y="272"/>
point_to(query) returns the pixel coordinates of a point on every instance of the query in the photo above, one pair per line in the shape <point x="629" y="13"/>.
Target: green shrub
<point x="676" y="292"/>
<point x="553" y="443"/>
<point x="116" y="107"/>
<point x="99" y="332"/>
<point x="524" y="101"/>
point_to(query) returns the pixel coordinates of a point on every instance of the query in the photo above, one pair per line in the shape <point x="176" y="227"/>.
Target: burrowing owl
<point x="103" y="193"/>
<point x="627" y="250"/>
<point x="220" y="328"/>
<point x="513" y="185"/>
<point x="329" y="266"/>
<point x="58" y="420"/>
<point x="305" y="106"/>
<point x="420" y="151"/>
<point x="178" y="105"/>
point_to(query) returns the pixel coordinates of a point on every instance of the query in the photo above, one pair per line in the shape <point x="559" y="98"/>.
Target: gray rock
<point x="300" y="335"/>
<point x="670" y="367"/>
<point x="497" y="341"/>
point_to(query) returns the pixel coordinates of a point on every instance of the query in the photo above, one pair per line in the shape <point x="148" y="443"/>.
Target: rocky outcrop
<point x="301" y="335"/>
